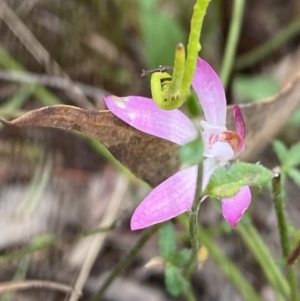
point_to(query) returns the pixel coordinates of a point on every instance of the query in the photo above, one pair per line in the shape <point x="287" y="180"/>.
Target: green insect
<point x="170" y="92"/>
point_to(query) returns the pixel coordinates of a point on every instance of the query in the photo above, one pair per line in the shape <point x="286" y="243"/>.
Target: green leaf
<point x="175" y="282"/>
<point x="294" y="174"/>
<point x="255" y="87"/>
<point x="167" y="241"/>
<point x="161" y="34"/>
<point x="295" y="118"/>
<point x="192" y="152"/>
<point x="293" y="157"/>
<point x="280" y="150"/>
<point x="226" y="181"/>
<point x="181" y="257"/>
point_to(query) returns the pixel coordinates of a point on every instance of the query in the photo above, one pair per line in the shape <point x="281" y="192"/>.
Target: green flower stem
<point x="263" y="256"/>
<point x="280" y="38"/>
<point x="123" y="263"/>
<point x="232" y="41"/>
<point x="193" y="46"/>
<point x="189" y="295"/>
<point x="284" y="235"/>
<point x="229" y="269"/>
<point x="193" y="223"/>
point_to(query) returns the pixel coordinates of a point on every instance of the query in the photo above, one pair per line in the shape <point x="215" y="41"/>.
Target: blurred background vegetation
<point x="56" y="185"/>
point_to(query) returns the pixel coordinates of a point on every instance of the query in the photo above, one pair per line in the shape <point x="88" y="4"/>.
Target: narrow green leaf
<point x="161" y="34"/>
<point x="167" y="241"/>
<point x="280" y="150"/>
<point x="226" y="181"/>
<point x="175" y="282"/>
<point x="16" y="101"/>
<point x="293" y="158"/>
<point x="192" y="152"/>
<point x="294" y="174"/>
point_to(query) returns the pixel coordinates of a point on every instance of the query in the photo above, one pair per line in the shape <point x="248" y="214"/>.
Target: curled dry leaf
<point x="154" y="159"/>
<point x="149" y="158"/>
<point x="265" y="118"/>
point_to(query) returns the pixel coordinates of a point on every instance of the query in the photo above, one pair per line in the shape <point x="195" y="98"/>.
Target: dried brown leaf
<point x="265" y="118"/>
<point x="149" y="158"/>
<point x="154" y="159"/>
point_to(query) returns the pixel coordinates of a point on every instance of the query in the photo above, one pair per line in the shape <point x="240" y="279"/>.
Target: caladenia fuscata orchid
<point x="176" y="194"/>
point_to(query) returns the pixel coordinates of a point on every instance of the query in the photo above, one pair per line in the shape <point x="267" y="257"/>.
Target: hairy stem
<point x="284" y="235"/>
<point x="193" y="223"/>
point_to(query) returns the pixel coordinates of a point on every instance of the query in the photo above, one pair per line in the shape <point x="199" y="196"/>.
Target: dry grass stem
<point x="58" y="82"/>
<point x="30" y="284"/>
<point x="98" y="240"/>
<point x="40" y="53"/>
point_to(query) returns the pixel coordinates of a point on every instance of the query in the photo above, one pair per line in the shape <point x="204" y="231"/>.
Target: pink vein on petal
<point x="171" y="198"/>
<point x="210" y="92"/>
<point x="143" y="114"/>
<point x="233" y="208"/>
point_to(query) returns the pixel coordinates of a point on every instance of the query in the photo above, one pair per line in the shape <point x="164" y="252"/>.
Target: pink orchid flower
<point x="175" y="195"/>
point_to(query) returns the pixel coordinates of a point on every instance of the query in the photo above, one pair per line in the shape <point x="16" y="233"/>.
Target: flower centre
<point x="234" y="140"/>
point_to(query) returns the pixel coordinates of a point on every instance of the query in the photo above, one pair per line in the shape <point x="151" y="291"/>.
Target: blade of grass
<point x="232" y="41"/>
<point x="258" y="248"/>
<point x="278" y="39"/>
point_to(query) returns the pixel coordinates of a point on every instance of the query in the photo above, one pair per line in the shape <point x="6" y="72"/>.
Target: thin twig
<point x="160" y="68"/>
<point x="97" y="242"/>
<point x="29" y="284"/>
<point x="39" y="52"/>
<point x="58" y="82"/>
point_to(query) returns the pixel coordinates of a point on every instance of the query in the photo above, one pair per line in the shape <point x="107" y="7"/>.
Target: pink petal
<point x="211" y="94"/>
<point x="171" y="198"/>
<point x="143" y="114"/>
<point x="233" y="208"/>
<point x="239" y="121"/>
<point x="222" y="151"/>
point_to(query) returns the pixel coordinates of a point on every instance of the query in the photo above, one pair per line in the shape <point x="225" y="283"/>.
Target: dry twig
<point x="40" y="53"/>
<point x="58" y="82"/>
<point x="30" y="284"/>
